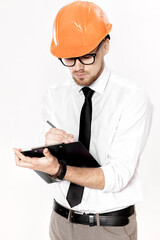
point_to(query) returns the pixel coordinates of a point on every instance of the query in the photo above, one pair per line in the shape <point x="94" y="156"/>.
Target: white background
<point x="27" y="69"/>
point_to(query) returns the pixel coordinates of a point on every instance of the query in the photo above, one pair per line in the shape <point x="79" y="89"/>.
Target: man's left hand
<point x="48" y="163"/>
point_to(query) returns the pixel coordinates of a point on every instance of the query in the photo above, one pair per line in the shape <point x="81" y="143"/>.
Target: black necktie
<point x="75" y="192"/>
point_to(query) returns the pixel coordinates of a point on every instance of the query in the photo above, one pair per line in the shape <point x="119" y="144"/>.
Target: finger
<point x="56" y="135"/>
<point x="22" y="158"/>
<point x="58" y="139"/>
<point x="70" y="138"/>
<point x="17" y="160"/>
<point x="19" y="154"/>
<point x="58" y="131"/>
<point x="47" y="154"/>
<point x="25" y="165"/>
<point x="51" y="141"/>
<point x="20" y="163"/>
<point x="59" y="135"/>
<point x="65" y="137"/>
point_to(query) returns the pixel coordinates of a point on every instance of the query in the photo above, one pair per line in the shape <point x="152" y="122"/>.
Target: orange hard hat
<point x="78" y="29"/>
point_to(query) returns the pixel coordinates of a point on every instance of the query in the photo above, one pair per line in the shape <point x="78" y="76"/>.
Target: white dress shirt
<point x="121" y="120"/>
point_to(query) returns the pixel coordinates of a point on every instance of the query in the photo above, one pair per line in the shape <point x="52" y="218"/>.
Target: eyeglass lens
<point x="86" y="59"/>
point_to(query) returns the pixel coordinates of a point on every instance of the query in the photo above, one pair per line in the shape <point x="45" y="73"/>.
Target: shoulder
<point x="124" y="83"/>
<point x="128" y="88"/>
<point x="56" y="91"/>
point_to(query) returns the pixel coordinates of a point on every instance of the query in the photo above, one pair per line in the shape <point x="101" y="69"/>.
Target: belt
<point x="116" y="218"/>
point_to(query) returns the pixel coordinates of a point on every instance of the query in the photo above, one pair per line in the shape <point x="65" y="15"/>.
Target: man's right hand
<point x="55" y="136"/>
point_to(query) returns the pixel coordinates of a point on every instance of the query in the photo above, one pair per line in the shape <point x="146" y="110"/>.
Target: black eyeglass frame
<point x="89" y="54"/>
<point x="79" y="58"/>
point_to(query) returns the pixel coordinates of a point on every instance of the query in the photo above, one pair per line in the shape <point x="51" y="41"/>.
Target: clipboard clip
<point x="61" y="153"/>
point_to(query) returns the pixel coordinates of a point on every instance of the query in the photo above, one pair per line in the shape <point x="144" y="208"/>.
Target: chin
<point x="84" y="82"/>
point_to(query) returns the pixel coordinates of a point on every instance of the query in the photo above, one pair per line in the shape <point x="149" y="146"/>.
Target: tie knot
<point x="88" y="92"/>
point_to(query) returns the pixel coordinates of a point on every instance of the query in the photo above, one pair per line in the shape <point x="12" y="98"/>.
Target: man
<point x="110" y="115"/>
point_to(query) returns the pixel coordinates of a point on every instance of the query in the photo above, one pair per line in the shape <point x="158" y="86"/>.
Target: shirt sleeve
<point x="128" y="142"/>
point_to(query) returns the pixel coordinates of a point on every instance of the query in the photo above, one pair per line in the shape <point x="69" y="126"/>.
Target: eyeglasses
<point x="87" y="59"/>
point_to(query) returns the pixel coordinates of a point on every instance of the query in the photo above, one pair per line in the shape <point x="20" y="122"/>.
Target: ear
<point x="106" y="46"/>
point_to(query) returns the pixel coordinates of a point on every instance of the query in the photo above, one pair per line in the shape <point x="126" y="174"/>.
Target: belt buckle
<point x="70" y="215"/>
<point x="91" y="219"/>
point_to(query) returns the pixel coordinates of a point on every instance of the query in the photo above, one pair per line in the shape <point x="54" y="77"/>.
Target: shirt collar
<point x="101" y="82"/>
<point x="99" y="85"/>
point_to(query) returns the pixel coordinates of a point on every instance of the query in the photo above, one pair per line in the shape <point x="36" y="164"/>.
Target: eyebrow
<point x="93" y="51"/>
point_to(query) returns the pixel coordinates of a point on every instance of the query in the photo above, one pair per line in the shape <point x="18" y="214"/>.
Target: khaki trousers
<point x="61" y="229"/>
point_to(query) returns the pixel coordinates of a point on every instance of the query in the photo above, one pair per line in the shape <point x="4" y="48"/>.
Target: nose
<point x="78" y="65"/>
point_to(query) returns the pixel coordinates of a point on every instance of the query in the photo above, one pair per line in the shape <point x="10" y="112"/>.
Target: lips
<point x="80" y="75"/>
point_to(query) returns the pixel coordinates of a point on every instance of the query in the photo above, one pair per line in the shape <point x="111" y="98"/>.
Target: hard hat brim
<point x="74" y="51"/>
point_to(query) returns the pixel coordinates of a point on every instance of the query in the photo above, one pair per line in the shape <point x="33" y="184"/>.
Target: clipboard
<point x="72" y="154"/>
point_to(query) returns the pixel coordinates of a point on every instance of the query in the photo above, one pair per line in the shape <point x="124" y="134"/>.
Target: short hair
<point x="108" y="36"/>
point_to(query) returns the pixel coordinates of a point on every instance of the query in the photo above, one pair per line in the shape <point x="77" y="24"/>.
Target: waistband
<point x="115" y="218"/>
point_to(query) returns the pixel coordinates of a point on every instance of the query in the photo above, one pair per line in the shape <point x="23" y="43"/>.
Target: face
<point x="85" y="75"/>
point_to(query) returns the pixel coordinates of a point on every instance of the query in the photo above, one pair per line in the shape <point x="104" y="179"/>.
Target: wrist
<point x="60" y="174"/>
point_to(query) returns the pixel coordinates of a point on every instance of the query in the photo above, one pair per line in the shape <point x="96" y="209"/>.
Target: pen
<point x="70" y="140"/>
<point x="51" y="124"/>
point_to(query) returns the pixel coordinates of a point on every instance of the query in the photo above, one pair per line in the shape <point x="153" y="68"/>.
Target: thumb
<point x="47" y="153"/>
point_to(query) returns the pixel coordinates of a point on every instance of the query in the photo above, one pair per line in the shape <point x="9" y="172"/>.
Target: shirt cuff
<point x="109" y="176"/>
